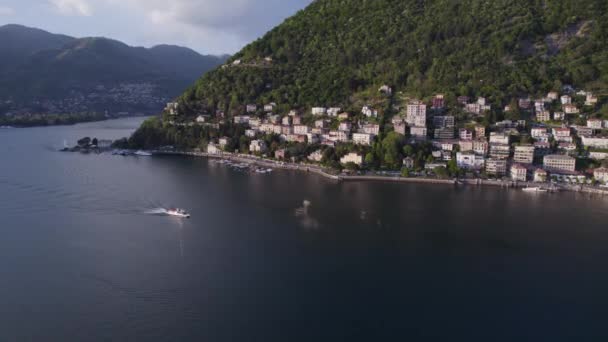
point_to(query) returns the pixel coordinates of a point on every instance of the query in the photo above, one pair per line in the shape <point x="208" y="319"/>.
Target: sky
<point x="207" y="26"/>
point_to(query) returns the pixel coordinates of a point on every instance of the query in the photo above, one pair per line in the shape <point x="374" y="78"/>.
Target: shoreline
<point x="315" y="169"/>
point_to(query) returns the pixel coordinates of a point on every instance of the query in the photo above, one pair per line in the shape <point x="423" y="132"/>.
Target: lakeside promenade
<point x="316" y="169"/>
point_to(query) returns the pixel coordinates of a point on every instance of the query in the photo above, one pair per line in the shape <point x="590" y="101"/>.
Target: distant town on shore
<point x="556" y="139"/>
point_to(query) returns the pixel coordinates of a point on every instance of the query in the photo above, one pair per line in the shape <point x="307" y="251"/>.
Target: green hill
<point x="334" y="50"/>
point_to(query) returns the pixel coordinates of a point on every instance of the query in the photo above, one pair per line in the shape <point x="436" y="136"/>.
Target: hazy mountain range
<point x="46" y="72"/>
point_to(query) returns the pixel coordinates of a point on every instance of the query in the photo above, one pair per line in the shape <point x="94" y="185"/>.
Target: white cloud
<point x="5" y="10"/>
<point x="72" y="7"/>
<point x="245" y="19"/>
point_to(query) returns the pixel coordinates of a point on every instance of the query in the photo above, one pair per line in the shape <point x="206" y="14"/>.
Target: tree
<point x="441" y="172"/>
<point x="351" y="166"/>
<point x="408" y="150"/>
<point x="391" y="147"/>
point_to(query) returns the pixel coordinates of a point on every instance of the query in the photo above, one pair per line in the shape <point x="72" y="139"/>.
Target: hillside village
<point x="555" y="138"/>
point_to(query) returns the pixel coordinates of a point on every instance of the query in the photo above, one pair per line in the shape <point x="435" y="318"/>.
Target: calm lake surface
<point x="82" y="257"/>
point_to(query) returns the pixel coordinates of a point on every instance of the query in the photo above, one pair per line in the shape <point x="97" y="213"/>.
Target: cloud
<point x="72" y="7"/>
<point x="247" y="19"/>
<point x="5" y="10"/>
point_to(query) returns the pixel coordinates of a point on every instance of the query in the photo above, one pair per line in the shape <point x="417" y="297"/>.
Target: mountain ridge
<point x="42" y="66"/>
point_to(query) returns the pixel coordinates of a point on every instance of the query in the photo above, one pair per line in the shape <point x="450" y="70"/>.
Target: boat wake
<point x="156" y="211"/>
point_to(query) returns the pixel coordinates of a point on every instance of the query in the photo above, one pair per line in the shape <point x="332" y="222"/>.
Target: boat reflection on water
<point x="306" y="220"/>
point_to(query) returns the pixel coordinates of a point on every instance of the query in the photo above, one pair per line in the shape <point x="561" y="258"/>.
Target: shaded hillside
<point x="48" y="67"/>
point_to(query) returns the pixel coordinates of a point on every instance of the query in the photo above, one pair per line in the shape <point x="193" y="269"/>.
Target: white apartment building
<point x="560" y="162"/>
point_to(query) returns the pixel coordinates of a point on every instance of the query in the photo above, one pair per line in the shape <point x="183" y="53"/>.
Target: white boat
<point x="178" y="212"/>
<point x="143" y="153"/>
<point x="534" y="189"/>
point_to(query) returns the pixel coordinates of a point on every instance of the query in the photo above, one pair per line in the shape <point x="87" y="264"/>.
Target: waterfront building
<point x="316" y="156"/>
<point x="470" y="161"/>
<point x="519" y="173"/>
<point x="213" y="149"/>
<point x="280" y="154"/>
<point x="352" y="158"/>
<point x="258" y="146"/>
<point x="496" y="167"/>
<point x="560" y="162"/>
<point x="408" y="163"/>
<point x="224" y="141"/>
<point x="601" y="175"/>
<point x="540" y="176"/>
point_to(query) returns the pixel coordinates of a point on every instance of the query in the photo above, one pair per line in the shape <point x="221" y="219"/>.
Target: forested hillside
<point x="335" y="49"/>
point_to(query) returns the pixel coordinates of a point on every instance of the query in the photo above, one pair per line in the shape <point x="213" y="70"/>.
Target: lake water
<point x="83" y="258"/>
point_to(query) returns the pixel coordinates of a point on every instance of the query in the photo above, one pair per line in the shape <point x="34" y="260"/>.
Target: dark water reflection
<point x="81" y="258"/>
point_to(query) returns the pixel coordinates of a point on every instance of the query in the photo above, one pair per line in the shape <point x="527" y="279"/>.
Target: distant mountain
<point x="72" y="74"/>
<point x="19" y="42"/>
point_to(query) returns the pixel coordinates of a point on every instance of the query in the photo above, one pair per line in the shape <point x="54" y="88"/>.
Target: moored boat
<point x="142" y="153"/>
<point x="534" y="189"/>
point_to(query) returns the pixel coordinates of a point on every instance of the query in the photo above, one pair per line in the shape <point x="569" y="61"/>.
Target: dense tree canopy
<point x="336" y="48"/>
